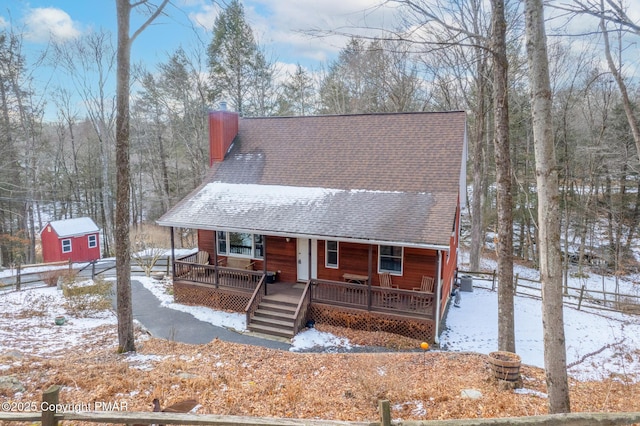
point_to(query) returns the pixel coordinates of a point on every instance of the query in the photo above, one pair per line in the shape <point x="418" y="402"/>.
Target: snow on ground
<point x="232" y="320"/>
<point x="236" y="321"/>
<point x="598" y="344"/>
<point x="473" y="327"/>
<point x="28" y="323"/>
<point x="615" y="337"/>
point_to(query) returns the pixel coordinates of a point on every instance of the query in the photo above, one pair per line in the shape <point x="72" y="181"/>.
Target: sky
<point x="279" y="25"/>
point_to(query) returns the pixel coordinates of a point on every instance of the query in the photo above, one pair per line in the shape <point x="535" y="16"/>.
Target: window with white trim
<point x="331" y="254"/>
<point x="92" y="241"/>
<point x="221" y="237"/>
<point x="240" y="244"/>
<point x="390" y="259"/>
<point x="66" y="245"/>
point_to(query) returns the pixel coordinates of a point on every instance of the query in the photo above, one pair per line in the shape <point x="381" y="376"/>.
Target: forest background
<point x="58" y="143"/>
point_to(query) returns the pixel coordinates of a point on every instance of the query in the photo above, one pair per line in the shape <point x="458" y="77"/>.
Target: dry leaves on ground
<point x="235" y="379"/>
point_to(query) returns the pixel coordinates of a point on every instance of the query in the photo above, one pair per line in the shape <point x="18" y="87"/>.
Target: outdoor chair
<point x="202" y="258"/>
<point x="426" y="286"/>
<point x="386" y="283"/>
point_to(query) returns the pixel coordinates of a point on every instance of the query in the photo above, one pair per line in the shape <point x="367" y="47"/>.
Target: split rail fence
<point x="578" y="297"/>
<point x="39" y="275"/>
<point x="50" y="416"/>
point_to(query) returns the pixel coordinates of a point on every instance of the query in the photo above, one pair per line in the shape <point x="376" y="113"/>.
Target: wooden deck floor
<point x="285" y="292"/>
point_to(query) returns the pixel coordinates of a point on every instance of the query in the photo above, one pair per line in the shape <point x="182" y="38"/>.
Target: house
<point x="334" y="219"/>
<point x="76" y="239"/>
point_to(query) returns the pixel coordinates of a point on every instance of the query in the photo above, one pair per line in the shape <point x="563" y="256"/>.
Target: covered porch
<point x="361" y="304"/>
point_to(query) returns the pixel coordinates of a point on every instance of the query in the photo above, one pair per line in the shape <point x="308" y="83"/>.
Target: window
<point x="258" y="246"/>
<point x="390" y="259"/>
<point x="66" y="246"/>
<point x="222" y="242"/>
<point x="240" y="244"/>
<point x="93" y="241"/>
<point x="331" y="255"/>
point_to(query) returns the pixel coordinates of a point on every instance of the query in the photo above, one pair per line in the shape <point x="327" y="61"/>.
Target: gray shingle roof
<point x="379" y="177"/>
<point x="73" y="227"/>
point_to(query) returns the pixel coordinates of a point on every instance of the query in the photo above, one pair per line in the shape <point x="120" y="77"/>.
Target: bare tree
<point x="555" y="356"/>
<point x="506" y="327"/>
<point x="126" y="342"/>
<point x="89" y="62"/>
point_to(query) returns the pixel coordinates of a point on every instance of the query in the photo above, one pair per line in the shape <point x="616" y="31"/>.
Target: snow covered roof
<point x="382" y="216"/>
<point x="73" y="227"/>
<point x="373" y="177"/>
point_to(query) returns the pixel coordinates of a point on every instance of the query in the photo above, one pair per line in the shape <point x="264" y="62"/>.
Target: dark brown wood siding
<point x="207" y="241"/>
<point x="353" y="258"/>
<point x="281" y="257"/>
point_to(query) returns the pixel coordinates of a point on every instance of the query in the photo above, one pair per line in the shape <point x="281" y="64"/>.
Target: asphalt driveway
<point x="170" y="324"/>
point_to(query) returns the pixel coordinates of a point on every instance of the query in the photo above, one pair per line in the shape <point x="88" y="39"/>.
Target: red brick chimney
<point x="223" y="128"/>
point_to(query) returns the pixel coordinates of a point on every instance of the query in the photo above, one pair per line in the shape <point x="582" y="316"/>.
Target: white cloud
<point x="46" y="23"/>
<point x="206" y="17"/>
<point x="3" y="22"/>
<point x="282" y="25"/>
<point x="288" y="23"/>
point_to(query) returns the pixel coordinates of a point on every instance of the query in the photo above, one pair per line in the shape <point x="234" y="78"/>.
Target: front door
<point x="303" y="259"/>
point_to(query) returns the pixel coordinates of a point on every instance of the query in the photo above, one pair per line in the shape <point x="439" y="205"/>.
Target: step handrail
<point x="301" y="310"/>
<point x="256" y="298"/>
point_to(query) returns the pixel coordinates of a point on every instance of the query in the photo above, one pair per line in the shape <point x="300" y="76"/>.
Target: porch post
<point x="215" y="258"/>
<point x="310" y="258"/>
<point x="438" y="297"/>
<point x="264" y="263"/>
<point x="173" y="255"/>
<point x="369" y="271"/>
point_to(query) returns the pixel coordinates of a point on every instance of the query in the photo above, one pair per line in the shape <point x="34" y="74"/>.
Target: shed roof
<point x="376" y="177"/>
<point x="74" y="227"/>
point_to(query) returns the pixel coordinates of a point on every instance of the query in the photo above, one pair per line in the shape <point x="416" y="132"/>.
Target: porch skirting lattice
<point x="415" y="328"/>
<point x="207" y="295"/>
<point x="190" y="293"/>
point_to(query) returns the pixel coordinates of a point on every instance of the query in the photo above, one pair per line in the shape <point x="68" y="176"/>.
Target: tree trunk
<point x="506" y="328"/>
<point x="477" y="228"/>
<point x="626" y="102"/>
<point x="126" y="341"/>
<point x="555" y="357"/>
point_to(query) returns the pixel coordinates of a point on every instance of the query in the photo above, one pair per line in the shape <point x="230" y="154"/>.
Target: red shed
<point x="76" y="239"/>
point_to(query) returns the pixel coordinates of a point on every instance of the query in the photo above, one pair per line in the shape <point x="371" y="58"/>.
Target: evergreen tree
<point x="298" y="94"/>
<point x="233" y="57"/>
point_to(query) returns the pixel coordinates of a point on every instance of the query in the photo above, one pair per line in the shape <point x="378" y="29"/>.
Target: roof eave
<point x="440" y="247"/>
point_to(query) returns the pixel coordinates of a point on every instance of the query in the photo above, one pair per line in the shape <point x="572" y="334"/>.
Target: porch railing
<point x="217" y="276"/>
<point x="374" y="298"/>
<point x="302" y="309"/>
<point x="258" y="293"/>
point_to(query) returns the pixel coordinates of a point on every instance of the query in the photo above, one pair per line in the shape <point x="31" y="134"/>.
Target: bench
<point x="240" y="263"/>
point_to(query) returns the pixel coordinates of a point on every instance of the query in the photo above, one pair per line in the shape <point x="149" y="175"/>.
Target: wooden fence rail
<point x="22" y="278"/>
<point x="27" y="280"/>
<point x="573" y="296"/>
<point x="53" y="412"/>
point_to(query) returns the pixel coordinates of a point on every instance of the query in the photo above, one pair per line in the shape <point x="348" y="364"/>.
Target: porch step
<point x="272" y="331"/>
<point x="283" y="307"/>
<point x="275" y="315"/>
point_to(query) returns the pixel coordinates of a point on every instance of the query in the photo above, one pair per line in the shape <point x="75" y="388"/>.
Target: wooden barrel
<point x="505" y="365"/>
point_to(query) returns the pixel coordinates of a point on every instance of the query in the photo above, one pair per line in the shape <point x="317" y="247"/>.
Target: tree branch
<point x="616" y="14"/>
<point x="155" y="14"/>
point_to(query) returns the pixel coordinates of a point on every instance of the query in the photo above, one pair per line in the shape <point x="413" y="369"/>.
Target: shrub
<point x="36" y="305"/>
<point x="50" y="278"/>
<point x="87" y="297"/>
